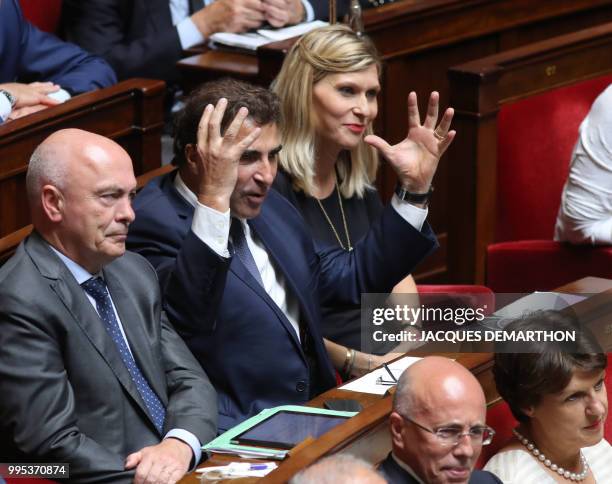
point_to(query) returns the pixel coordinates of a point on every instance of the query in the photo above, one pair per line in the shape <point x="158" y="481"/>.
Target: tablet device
<point x="284" y="429"/>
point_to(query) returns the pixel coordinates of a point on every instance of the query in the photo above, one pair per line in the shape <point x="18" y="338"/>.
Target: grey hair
<point x="336" y="469"/>
<point x="45" y="167"/>
<point x="403" y="397"/>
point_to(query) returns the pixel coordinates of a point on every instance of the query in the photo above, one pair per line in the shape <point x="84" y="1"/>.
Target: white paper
<point x="367" y="383"/>
<point x="252" y="40"/>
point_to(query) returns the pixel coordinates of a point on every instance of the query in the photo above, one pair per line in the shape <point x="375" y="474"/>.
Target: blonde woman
<point x="328" y="87"/>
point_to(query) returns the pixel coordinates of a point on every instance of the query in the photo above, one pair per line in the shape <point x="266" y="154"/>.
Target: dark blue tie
<point x="241" y="249"/>
<point x="96" y="288"/>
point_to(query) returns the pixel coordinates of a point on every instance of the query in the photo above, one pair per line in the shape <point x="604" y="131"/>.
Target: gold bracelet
<point x="346" y="360"/>
<point x="350" y="367"/>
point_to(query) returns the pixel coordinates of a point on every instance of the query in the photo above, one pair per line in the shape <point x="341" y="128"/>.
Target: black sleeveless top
<point x="341" y="324"/>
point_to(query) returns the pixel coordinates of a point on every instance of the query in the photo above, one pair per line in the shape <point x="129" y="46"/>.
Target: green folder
<point x="222" y="444"/>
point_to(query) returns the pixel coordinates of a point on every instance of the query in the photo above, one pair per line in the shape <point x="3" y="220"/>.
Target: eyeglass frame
<point x="460" y="435"/>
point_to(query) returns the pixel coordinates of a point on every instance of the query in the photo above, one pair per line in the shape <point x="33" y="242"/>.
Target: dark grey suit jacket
<point x="66" y="396"/>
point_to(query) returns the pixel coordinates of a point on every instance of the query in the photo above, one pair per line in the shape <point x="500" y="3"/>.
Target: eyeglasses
<point x="451" y="436"/>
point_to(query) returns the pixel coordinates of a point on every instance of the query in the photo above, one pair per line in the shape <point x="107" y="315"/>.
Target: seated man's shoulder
<point x="134" y="264"/>
<point x="155" y="191"/>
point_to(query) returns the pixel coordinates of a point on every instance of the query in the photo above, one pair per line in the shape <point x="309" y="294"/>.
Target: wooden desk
<point x="366" y="434"/>
<point x="419" y="40"/>
<point x="131" y="113"/>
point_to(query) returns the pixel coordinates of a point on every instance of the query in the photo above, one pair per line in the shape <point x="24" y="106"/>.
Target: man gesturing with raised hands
<point x="216" y="223"/>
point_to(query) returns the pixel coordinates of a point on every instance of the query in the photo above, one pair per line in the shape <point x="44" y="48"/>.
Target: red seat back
<point x="535" y="140"/>
<point x="500" y="419"/>
<point x="608" y="381"/>
<point x="45" y="14"/>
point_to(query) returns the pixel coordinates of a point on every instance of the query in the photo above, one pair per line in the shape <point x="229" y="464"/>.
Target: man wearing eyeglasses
<point x="437" y="426"/>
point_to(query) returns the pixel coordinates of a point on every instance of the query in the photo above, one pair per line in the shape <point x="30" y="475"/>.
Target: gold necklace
<point x="348" y="238"/>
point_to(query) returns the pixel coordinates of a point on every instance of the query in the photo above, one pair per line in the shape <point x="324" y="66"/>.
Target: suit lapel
<point x="185" y="211"/>
<point x="140" y="346"/>
<point x="85" y="316"/>
<point x="242" y="273"/>
<point x="277" y="251"/>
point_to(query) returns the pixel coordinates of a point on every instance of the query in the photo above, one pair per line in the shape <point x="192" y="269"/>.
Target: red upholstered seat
<point x="45" y="14"/>
<point x="500" y="419"/>
<point x="535" y="139"/>
<point x="529" y="265"/>
<point x="608" y="381"/>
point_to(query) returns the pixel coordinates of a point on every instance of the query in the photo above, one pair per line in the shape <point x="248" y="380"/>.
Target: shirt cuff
<point x="61" y="95"/>
<point x="188" y="33"/>
<point x="212" y="228"/>
<point x="191" y="440"/>
<point x="5" y="108"/>
<point x="309" y="11"/>
<point x="412" y="214"/>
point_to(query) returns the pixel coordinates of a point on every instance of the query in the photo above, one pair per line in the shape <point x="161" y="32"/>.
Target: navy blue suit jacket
<point x="244" y="342"/>
<point x="394" y="474"/>
<point x="28" y="55"/>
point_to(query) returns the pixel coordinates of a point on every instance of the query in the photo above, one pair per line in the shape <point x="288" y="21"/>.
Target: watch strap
<point x="404" y="194"/>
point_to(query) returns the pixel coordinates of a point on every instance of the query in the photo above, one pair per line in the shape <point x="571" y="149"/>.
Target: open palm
<point x="415" y="158"/>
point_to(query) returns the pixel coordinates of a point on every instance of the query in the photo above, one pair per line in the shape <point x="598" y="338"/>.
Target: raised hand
<point x="415" y="159"/>
<point x="216" y="157"/>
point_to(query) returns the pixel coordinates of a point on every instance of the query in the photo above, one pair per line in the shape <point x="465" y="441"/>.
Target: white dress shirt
<point x="188" y="33"/>
<point x="81" y="275"/>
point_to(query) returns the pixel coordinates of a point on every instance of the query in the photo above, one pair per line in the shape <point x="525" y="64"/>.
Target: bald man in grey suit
<point x="91" y="373"/>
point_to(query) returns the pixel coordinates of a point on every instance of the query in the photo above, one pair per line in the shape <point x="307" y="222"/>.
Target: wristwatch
<point x="404" y="194"/>
<point x="9" y="96"/>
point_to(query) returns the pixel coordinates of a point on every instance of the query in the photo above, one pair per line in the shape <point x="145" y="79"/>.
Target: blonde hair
<point x="327" y="50"/>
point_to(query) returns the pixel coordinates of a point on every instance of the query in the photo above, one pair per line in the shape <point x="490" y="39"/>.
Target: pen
<point x="390" y="373"/>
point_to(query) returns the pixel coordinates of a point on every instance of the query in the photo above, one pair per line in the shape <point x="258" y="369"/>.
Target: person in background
<point x="437" y="426"/>
<point x="146" y="38"/>
<point x="557" y="393"/>
<point x="585" y="214"/>
<point x="328" y="86"/>
<point x="91" y="372"/>
<point x="38" y="70"/>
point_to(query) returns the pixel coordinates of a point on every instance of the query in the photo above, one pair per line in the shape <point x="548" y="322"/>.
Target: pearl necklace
<point x="572" y="476"/>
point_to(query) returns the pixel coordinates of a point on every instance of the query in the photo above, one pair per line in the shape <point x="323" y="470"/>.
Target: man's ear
<point x="396" y="426"/>
<point x="53" y="203"/>
<point x="191" y="155"/>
